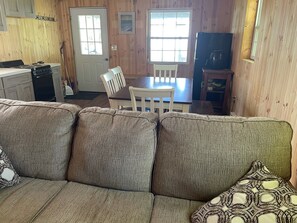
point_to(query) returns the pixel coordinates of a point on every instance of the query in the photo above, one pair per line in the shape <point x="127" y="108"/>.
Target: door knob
<point x="106" y="59"/>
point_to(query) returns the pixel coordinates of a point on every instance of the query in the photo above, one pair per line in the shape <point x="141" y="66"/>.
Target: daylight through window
<point x="169" y="36"/>
<point x="90" y="34"/>
<point x="251" y="29"/>
<point x="256" y="30"/>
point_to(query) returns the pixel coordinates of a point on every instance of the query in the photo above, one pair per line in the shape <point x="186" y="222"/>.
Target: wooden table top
<point x="182" y="88"/>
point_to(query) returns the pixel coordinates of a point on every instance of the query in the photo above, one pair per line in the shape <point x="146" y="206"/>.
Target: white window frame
<point x="149" y="35"/>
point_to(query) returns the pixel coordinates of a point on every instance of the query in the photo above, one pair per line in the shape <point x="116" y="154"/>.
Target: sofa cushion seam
<point x="99" y="113"/>
<point x="43" y="106"/>
<point x="224" y="121"/>
<point x="47" y="203"/>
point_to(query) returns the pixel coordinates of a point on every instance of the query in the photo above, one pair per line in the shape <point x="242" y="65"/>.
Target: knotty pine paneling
<point x="208" y="16"/>
<point x="267" y="86"/>
<point x="30" y="39"/>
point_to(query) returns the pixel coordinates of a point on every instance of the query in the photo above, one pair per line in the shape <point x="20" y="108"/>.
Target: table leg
<point x="113" y="104"/>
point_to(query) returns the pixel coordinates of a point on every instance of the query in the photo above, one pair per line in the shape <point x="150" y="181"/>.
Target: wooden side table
<point x="226" y="75"/>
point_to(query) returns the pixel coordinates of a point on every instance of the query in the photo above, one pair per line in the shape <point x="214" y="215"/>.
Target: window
<point x="169" y="33"/>
<point x="251" y="29"/>
<point x="90" y="34"/>
<point x="256" y="30"/>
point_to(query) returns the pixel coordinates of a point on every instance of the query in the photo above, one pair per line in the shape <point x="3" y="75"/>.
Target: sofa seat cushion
<point x="170" y="210"/>
<point x="114" y="149"/>
<point x="83" y="203"/>
<point x="23" y="202"/>
<point x="37" y="136"/>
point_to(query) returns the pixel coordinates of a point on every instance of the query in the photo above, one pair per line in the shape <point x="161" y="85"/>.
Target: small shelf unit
<point x="220" y="97"/>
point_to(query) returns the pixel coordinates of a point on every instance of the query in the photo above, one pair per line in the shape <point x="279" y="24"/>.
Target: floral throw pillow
<point x="8" y="176"/>
<point x="259" y="197"/>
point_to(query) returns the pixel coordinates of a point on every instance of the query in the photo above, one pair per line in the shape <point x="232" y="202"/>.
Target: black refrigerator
<point x="212" y="51"/>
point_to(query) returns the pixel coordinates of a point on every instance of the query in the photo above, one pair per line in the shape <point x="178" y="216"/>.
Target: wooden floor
<point x="99" y="101"/>
<point x="199" y="107"/>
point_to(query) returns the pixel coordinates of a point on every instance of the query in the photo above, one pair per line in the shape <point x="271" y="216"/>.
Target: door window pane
<point x="98" y="35"/>
<point x="99" y="48"/>
<point x="89" y="21"/>
<point x="90" y="34"/>
<point x="84" y="48"/>
<point x="97" y="22"/>
<point x="82" y="21"/>
<point x="83" y="35"/>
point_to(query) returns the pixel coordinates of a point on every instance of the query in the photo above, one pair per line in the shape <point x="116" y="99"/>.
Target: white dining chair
<point x="110" y="83"/>
<point x="117" y="71"/>
<point x="165" y="71"/>
<point x="152" y="99"/>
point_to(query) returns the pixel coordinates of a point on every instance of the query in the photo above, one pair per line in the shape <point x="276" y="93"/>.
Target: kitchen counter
<point x="5" y="72"/>
<point x="53" y="64"/>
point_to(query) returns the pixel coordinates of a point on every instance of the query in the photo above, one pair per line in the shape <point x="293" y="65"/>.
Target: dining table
<point x="182" y="92"/>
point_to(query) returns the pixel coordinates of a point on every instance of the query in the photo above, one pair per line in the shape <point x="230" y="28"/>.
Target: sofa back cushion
<point x="199" y="157"/>
<point x="114" y="149"/>
<point x="37" y="136"/>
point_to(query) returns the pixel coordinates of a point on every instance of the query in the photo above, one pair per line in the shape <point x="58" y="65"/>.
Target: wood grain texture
<point x="30" y="39"/>
<point x="267" y="87"/>
<point x="208" y="15"/>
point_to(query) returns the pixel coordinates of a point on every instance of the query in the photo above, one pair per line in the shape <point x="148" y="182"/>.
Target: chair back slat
<point x="164" y="72"/>
<point x="152" y="99"/>
<point x="117" y="71"/>
<point x="110" y="83"/>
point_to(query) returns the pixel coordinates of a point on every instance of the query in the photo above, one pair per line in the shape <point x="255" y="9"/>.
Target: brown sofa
<point x="104" y="165"/>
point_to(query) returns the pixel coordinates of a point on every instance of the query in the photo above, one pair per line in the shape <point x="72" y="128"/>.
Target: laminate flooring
<point x="99" y="101"/>
<point x="199" y="107"/>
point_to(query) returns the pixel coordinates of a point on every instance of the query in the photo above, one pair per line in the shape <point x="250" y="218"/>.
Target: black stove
<point x="41" y="77"/>
<point x="20" y="64"/>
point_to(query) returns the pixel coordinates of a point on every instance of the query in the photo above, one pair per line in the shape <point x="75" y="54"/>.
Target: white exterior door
<point x="90" y="39"/>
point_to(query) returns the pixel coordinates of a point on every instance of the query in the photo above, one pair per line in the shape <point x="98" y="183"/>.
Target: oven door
<point x="43" y="87"/>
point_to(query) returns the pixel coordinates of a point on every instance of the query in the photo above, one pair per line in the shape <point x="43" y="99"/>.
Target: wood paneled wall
<point x="268" y="86"/>
<point x="30" y="39"/>
<point x="208" y="15"/>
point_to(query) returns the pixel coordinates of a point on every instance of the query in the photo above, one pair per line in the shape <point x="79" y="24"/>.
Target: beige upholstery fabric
<point x="21" y="203"/>
<point x="199" y="157"/>
<point x="37" y="137"/>
<point x="173" y="210"/>
<point x="114" y="149"/>
<point x="84" y="203"/>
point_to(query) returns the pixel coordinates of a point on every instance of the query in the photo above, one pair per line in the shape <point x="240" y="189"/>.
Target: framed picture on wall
<point x="126" y="22"/>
